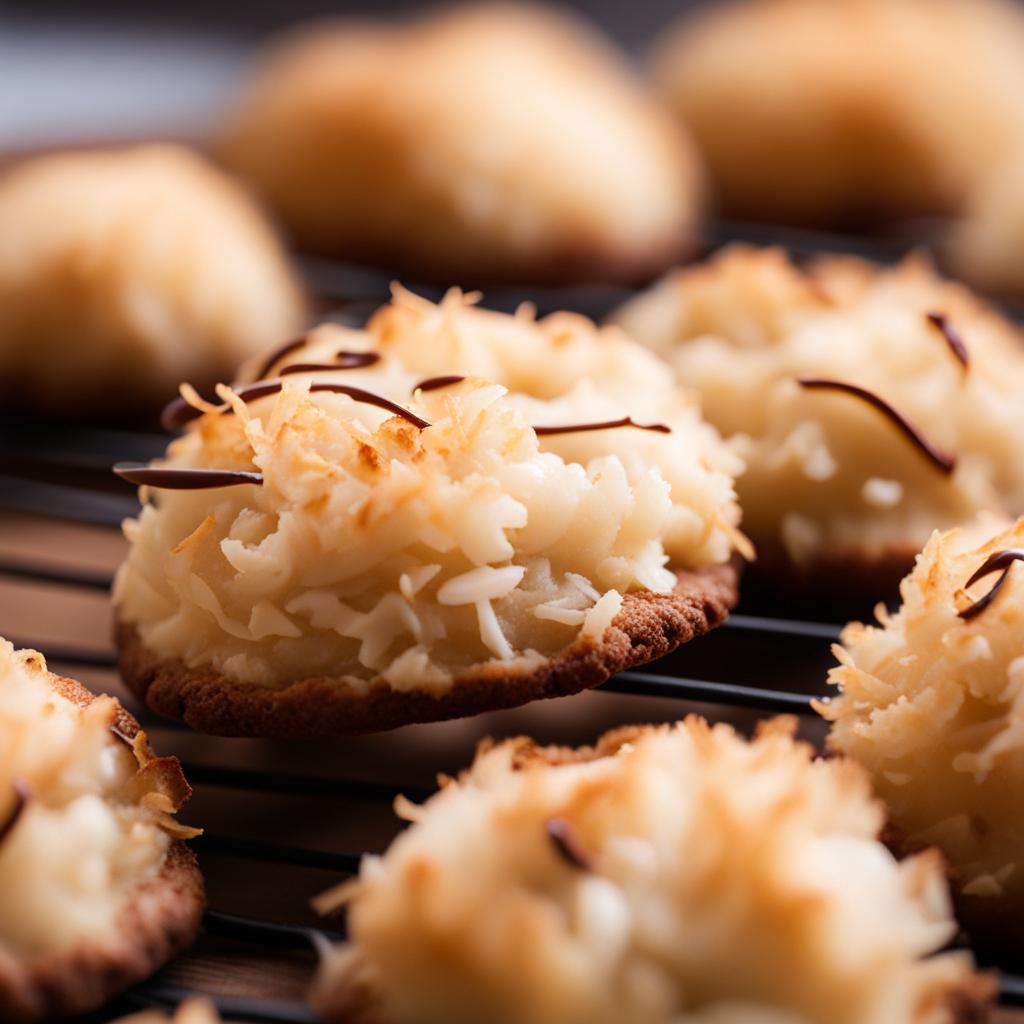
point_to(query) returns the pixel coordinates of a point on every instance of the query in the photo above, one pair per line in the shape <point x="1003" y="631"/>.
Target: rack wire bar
<point x="64" y="575"/>
<point x="650" y="684"/>
<point x="275" y="853"/>
<point x="266" y="933"/>
<point x="64" y="502"/>
<point x="300" y="785"/>
<point x="259" y="1011"/>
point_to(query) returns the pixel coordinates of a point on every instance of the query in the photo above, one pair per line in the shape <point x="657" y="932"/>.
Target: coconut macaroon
<point x="871" y="404"/>
<point x="673" y="873"/>
<point x="364" y="552"/>
<point x="930" y="704"/>
<point x="123" y="272"/>
<point x="485" y="142"/>
<point x="986" y="243"/>
<point x="97" y="889"/>
<point x="833" y="112"/>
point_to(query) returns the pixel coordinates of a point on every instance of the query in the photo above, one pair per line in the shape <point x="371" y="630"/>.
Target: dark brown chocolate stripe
<point x="433" y="383"/>
<point x="626" y="421"/>
<point x="1000" y="560"/>
<point x="940" y="459"/>
<point x="179" y="412"/>
<point x="356" y="394"/>
<point x="952" y="337"/>
<point x="346" y="361"/>
<point x="565" y="841"/>
<point x="21" y="799"/>
<point x="172" y="479"/>
<point x="278" y="354"/>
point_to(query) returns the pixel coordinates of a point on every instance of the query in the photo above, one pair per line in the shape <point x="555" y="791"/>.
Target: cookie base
<point x="161" y="919"/>
<point x="648" y="627"/>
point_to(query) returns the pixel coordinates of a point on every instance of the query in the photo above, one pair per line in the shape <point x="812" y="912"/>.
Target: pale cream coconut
<point x="831" y="478"/>
<point x="97" y="889"/>
<point x="378" y="551"/>
<point x="671" y="874"/>
<point x="932" y="704"/>
<point x="125" y="271"/>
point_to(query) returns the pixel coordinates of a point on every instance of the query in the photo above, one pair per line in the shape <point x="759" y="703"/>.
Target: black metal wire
<point x="164" y="995"/>
<point x="267" y="933"/>
<point x="277" y="853"/>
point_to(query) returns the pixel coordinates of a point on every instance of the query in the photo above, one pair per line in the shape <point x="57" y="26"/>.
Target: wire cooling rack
<point x="284" y="821"/>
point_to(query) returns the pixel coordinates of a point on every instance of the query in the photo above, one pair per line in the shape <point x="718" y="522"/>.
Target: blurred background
<point x="114" y="67"/>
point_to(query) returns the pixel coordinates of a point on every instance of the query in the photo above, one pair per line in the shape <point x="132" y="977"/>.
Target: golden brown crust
<point x="648" y="627"/>
<point x="161" y="919"/>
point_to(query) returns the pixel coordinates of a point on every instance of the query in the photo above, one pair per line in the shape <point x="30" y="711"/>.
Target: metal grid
<point x="62" y="473"/>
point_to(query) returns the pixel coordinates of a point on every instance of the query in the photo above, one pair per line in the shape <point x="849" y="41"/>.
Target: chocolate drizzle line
<point x="21" y="799"/>
<point x="952" y="337"/>
<point x="179" y="412"/>
<point x="173" y="479"/>
<point x="1000" y="560"/>
<point x="626" y="421"/>
<point x="943" y="461"/>
<point x="345" y="361"/>
<point x="565" y="841"/>
<point x="278" y="354"/>
<point x="433" y="383"/>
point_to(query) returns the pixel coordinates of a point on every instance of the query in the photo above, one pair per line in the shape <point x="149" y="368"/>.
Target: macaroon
<point x="871" y="405"/>
<point x="847" y="111"/>
<point x="668" y="874"/>
<point x="97" y="886"/>
<point x="359" y="537"/>
<point x="930" y="704"/>
<point x="483" y="142"/>
<point x="124" y="272"/>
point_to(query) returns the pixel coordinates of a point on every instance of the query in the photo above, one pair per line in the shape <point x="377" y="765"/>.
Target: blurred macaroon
<point x="836" y="112"/>
<point x="125" y="271"/>
<point x="985" y="247"/>
<point x="483" y="143"/>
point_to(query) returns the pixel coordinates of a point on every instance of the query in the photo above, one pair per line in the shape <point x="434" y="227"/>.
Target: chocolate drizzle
<point x="626" y="421"/>
<point x="345" y="361"/>
<point x="566" y="843"/>
<point x="433" y="383"/>
<point x="179" y="412"/>
<point x="278" y="354"/>
<point x="1000" y="560"/>
<point x="21" y="799"/>
<point x="943" y="461"/>
<point x="952" y="337"/>
<point x="173" y="479"/>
